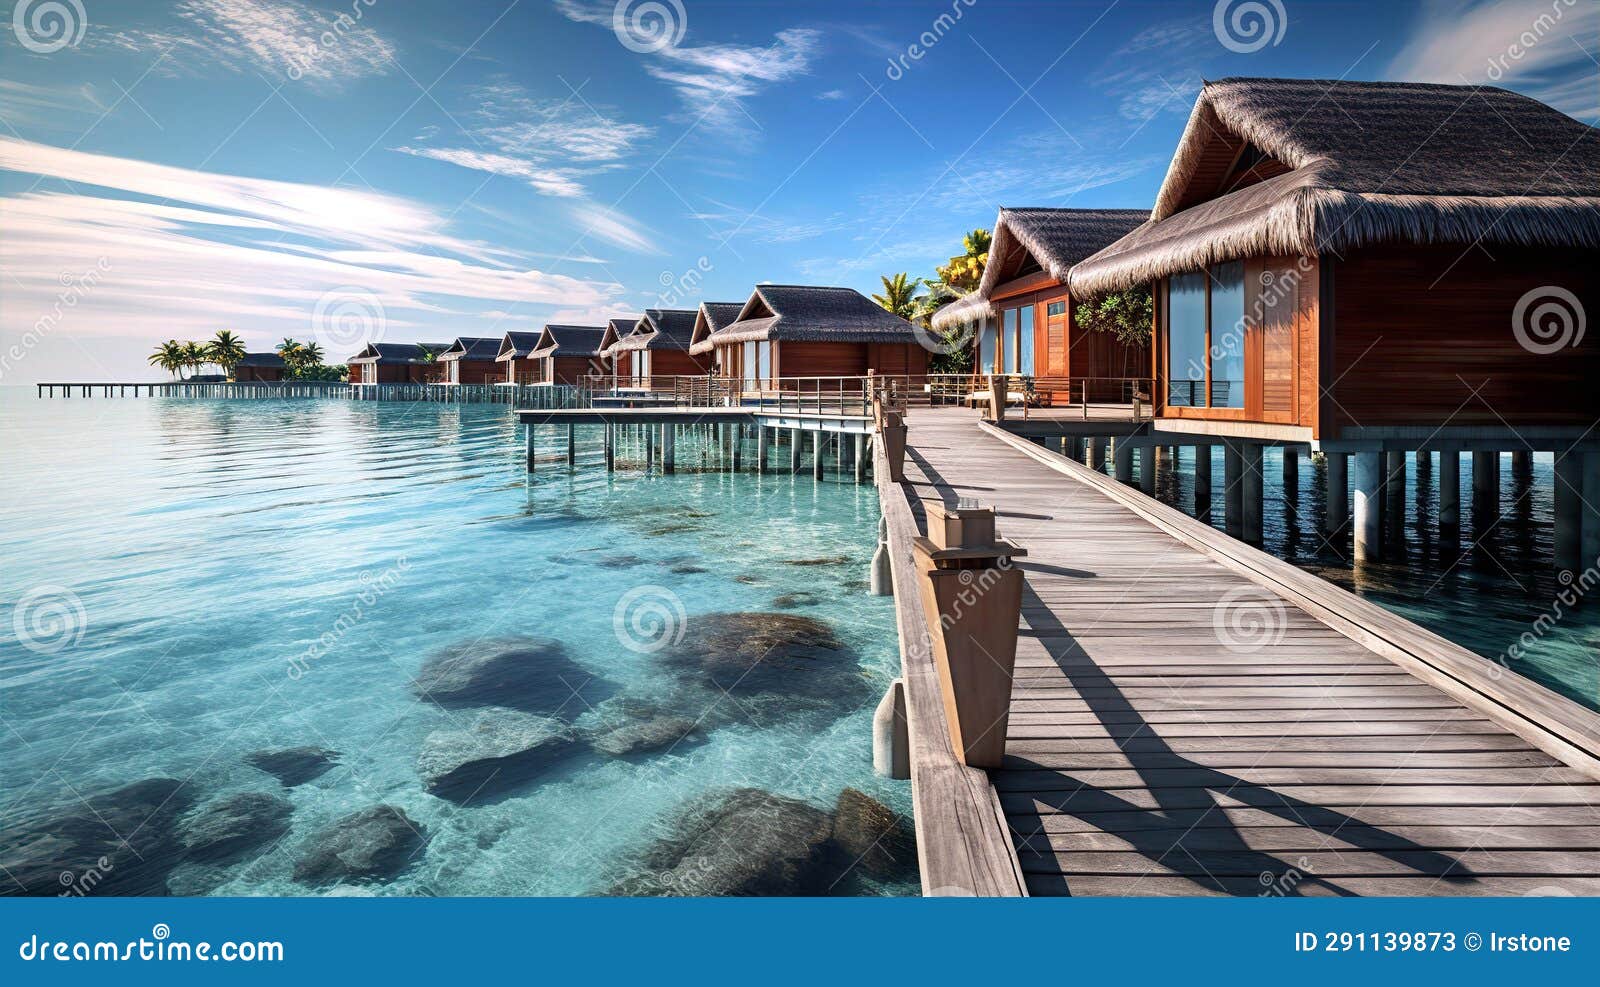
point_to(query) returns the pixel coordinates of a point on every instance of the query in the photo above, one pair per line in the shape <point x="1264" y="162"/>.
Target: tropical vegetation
<point x="951" y="281"/>
<point x="302" y="361"/>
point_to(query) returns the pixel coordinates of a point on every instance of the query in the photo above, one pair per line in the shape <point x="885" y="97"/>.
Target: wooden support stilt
<point x="1368" y="485"/>
<point x="860" y="463"/>
<point x="1122" y="462"/>
<point x="819" y="445"/>
<point x="761" y="448"/>
<point x="796" y="449"/>
<point x="1449" y="492"/>
<point x="1233" y="489"/>
<point x="528" y="431"/>
<point x="572" y="445"/>
<point x="1251" y="476"/>
<point x="1202" y="483"/>
<point x="669" y="447"/>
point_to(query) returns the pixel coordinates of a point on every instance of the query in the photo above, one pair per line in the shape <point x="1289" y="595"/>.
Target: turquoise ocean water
<point x="177" y="557"/>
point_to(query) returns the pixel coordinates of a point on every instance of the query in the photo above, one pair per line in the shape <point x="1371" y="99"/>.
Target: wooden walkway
<point x="1192" y="717"/>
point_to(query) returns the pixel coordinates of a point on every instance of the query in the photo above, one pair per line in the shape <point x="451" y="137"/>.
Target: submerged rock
<point x="686" y="569"/>
<point x="121" y="842"/>
<point x="502" y="749"/>
<point x="295" y="765"/>
<point x="740" y="842"/>
<point x="629" y="726"/>
<point x="619" y="561"/>
<point x="527" y="673"/>
<point x="870" y="836"/>
<point x="824" y="560"/>
<point x="789" y="601"/>
<point x="234" y="825"/>
<point x="374" y="844"/>
<point x="755" y="655"/>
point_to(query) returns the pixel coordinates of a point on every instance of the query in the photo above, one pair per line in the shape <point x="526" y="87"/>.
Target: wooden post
<point x="796" y="449"/>
<point x="1569" y="513"/>
<point x="1202" y="483"/>
<point x="997" y="398"/>
<point x="880" y="579"/>
<point x="1336" y="510"/>
<point x="1291" y="479"/>
<point x="972" y="597"/>
<point x="1394" y="488"/>
<point x="1147" y="470"/>
<point x="1368" y="483"/>
<point x="611" y="447"/>
<point x="572" y="445"/>
<point x="893" y="437"/>
<point x="649" y="447"/>
<point x="1252" y="500"/>
<point x="860" y="461"/>
<point x="1522" y="463"/>
<point x="761" y="448"/>
<point x="891" y="736"/>
<point x="1122" y="461"/>
<point x="528" y="430"/>
<point x="736" y="438"/>
<point x="669" y="447"/>
<point x="1097" y="453"/>
<point x="1233" y="489"/>
<point x="1449" y="491"/>
<point x="819" y="445"/>
<point x="1485" y="488"/>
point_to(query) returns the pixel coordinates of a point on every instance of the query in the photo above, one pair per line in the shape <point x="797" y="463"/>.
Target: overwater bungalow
<point x="1368" y="261"/>
<point x="1023" y="315"/>
<point x="810" y="331"/>
<point x="658" y="346"/>
<point x="395" y="363"/>
<point x="567" y="354"/>
<point x="260" y="368"/>
<point x="516" y="352"/>
<point x="713" y="317"/>
<point x="618" y="365"/>
<point x="470" y="360"/>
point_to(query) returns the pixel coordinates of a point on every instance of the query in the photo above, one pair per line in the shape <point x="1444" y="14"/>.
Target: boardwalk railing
<point x="1030" y="391"/>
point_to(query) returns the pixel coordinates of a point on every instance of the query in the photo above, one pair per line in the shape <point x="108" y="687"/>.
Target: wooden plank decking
<point x="1334" y="749"/>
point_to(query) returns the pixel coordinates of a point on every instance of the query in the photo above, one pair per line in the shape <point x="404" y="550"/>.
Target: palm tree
<point x="168" y="356"/>
<point x="194" y="356"/>
<point x="225" y="350"/>
<point x="899" y="294"/>
<point x="964" y="272"/>
<point x="289" y="349"/>
<point x="311" y="354"/>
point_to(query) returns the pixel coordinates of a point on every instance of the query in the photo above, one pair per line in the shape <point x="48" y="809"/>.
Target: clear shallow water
<point x="208" y="543"/>
<point x="1483" y="590"/>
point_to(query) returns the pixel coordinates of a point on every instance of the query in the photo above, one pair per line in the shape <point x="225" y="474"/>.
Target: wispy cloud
<point x="616" y="228"/>
<point x="1159" y="69"/>
<point x="1545" y="48"/>
<point x="46" y="105"/>
<point x="728" y="221"/>
<point x="714" y="80"/>
<point x="188" y="251"/>
<point x="550" y="144"/>
<point x="276" y="37"/>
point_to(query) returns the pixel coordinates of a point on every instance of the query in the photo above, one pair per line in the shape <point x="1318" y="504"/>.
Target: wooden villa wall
<point x="571" y="369"/>
<point x="390" y="373"/>
<point x="1416" y="330"/>
<point x="473" y="371"/>
<point x="248" y="374"/>
<point x="675" y="363"/>
<point x="520" y="368"/>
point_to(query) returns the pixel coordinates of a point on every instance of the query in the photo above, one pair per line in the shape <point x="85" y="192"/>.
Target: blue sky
<point x="422" y="170"/>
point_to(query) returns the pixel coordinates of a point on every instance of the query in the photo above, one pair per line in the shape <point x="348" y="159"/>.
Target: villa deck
<point x="1331" y="749"/>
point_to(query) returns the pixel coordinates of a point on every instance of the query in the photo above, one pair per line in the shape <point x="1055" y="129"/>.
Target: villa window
<point x="1008" y="345"/>
<point x="1186" y="340"/>
<point x="1024" y="343"/>
<point x="986" y="342"/>
<point x="764" y="361"/>
<point x="749" y="363"/>
<point x="1227" y="335"/>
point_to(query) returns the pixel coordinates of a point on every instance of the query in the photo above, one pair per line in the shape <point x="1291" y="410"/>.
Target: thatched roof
<point x="1056" y="239"/>
<point x="569" y="341"/>
<point x="261" y="360"/>
<point x="517" y="346"/>
<point x="471" y="348"/>
<point x="713" y="317"/>
<point x="811" y="313"/>
<point x="1345" y="164"/>
<point x="616" y="330"/>
<point x="389" y="353"/>
<point x="660" y="329"/>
